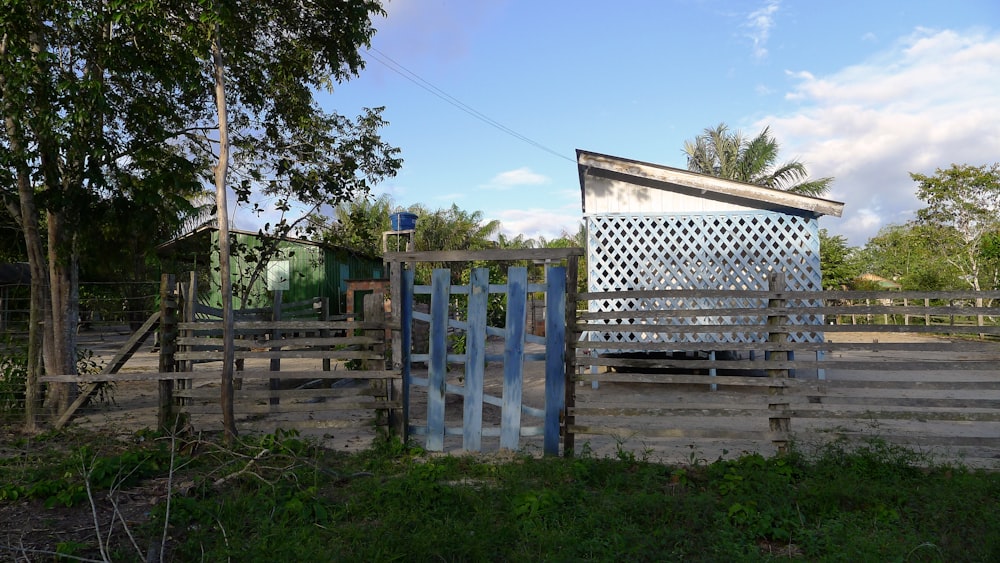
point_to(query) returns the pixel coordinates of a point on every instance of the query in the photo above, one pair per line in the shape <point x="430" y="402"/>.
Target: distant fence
<point x="103" y="305"/>
<point x="930" y="380"/>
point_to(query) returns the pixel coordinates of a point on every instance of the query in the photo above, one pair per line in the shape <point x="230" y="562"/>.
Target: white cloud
<point x="536" y="222"/>
<point x="930" y="101"/>
<point x="760" y="22"/>
<point x="514" y="178"/>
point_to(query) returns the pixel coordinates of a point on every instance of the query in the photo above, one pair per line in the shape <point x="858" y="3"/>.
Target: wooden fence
<point x="791" y="370"/>
<point x="298" y="368"/>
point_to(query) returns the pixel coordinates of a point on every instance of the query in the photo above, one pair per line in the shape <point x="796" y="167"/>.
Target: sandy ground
<point x="134" y="407"/>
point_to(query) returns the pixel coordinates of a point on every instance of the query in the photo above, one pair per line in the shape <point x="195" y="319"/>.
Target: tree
<point x="729" y="154"/>
<point x="906" y="254"/>
<point x="94" y="97"/>
<point x="454" y="229"/>
<point x="359" y="224"/>
<point x="836" y="260"/>
<point x="88" y="98"/>
<point x="963" y="206"/>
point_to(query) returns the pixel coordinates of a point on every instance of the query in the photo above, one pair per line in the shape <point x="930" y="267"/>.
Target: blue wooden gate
<point x="515" y="422"/>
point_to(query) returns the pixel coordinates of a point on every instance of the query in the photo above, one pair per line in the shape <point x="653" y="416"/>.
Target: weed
<point x="287" y="499"/>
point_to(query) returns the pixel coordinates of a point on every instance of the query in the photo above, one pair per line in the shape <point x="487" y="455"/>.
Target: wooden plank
<point x="307" y="342"/>
<point x="709" y="310"/>
<point x="555" y="361"/>
<point x="475" y="364"/>
<point x="921" y="415"/>
<point x="504" y="255"/>
<point x="437" y="366"/>
<point x="117" y="361"/>
<point x="287" y="354"/>
<point x="320" y="374"/>
<point x="802" y="387"/>
<point x="794" y="295"/>
<point x="673" y="378"/>
<point x="214" y="376"/>
<point x="618" y="411"/>
<point x="880" y="364"/>
<point x="243" y="409"/>
<point x="751" y="330"/>
<point x="973" y="349"/>
<point x="805" y="386"/>
<point x="211" y="394"/>
<point x="266" y="327"/>
<point x="863" y="402"/>
<point x="335" y="424"/>
<point x="513" y="366"/>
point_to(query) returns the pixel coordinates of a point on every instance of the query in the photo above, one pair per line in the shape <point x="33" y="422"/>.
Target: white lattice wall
<point x="732" y="250"/>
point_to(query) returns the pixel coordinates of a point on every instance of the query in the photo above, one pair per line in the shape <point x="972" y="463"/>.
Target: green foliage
<point x="908" y="254"/>
<point x="280" y="494"/>
<point x="837" y="261"/>
<point x="63" y="481"/>
<point x="963" y="209"/>
<point x="730" y="155"/>
<point x="13" y="374"/>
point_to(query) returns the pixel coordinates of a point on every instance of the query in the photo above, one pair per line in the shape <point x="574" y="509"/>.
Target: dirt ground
<point x="134" y="407"/>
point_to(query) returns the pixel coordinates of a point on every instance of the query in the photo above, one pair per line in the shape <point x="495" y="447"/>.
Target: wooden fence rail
<point x="713" y="370"/>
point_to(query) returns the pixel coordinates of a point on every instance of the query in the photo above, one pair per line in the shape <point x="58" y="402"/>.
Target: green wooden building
<point x="301" y="269"/>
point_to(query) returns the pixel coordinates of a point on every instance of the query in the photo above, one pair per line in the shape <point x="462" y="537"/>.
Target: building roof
<point x="15" y="274"/>
<point x="185" y="241"/>
<point x="665" y="178"/>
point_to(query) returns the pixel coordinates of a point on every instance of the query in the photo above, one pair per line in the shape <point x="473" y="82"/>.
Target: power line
<point x="416" y="79"/>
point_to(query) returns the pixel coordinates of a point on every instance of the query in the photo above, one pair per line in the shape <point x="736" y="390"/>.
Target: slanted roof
<point x="694" y="185"/>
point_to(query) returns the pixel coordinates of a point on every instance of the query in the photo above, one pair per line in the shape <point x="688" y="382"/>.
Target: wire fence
<point x="103" y="306"/>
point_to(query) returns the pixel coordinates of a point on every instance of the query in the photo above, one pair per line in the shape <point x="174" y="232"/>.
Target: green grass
<point x="280" y="497"/>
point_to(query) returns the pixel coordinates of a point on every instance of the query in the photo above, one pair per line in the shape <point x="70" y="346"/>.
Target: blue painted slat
<point x="406" y="335"/>
<point x="475" y="360"/>
<point x="438" y="364"/>
<point x="513" y="366"/>
<point x="555" y="356"/>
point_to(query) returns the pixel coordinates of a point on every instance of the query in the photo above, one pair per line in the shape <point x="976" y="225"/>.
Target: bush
<point x="13" y="377"/>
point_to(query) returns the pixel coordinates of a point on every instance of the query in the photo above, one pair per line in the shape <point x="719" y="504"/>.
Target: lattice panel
<point x="700" y="251"/>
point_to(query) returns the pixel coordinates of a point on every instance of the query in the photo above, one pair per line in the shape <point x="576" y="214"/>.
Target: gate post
<point x="572" y="273"/>
<point x="779" y="422"/>
<point x="168" y="339"/>
<point x="555" y="357"/>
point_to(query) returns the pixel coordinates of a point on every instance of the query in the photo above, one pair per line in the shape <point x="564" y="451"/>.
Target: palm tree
<point x="729" y="154"/>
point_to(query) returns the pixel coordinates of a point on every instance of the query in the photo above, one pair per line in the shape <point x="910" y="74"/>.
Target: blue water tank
<point x="403" y="221"/>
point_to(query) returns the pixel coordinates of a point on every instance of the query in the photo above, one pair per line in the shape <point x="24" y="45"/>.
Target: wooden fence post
<point x="373" y="311"/>
<point x="572" y="273"/>
<point x="397" y="418"/>
<point x="168" y="339"/>
<point x="323" y="304"/>
<point x="274" y="383"/>
<point x="779" y="422"/>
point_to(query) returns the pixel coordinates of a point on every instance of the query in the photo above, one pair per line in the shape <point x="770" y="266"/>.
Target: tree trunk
<point x="27" y="217"/>
<point x="60" y="325"/>
<point x="25" y="213"/>
<point x="228" y="350"/>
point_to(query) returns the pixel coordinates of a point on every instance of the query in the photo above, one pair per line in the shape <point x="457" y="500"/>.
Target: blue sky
<point x="865" y="91"/>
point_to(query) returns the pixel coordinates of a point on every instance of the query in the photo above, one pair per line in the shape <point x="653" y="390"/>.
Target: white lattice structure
<point x="654" y="227"/>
